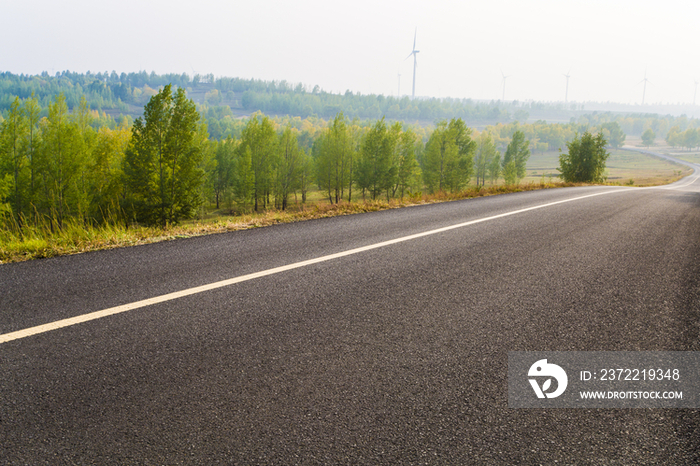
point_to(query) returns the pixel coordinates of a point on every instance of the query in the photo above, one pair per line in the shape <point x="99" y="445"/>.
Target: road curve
<point x="391" y="355"/>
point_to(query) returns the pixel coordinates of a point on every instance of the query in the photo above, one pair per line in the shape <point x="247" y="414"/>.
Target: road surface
<point x="393" y="352"/>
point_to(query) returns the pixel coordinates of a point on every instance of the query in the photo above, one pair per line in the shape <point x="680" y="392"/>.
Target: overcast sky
<point x="605" y="45"/>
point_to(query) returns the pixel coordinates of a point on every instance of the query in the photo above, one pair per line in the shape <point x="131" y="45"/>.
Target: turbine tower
<point x="503" y="97"/>
<point x="566" y="96"/>
<point x="415" y="63"/>
<point x="696" y="91"/>
<point x="645" y="81"/>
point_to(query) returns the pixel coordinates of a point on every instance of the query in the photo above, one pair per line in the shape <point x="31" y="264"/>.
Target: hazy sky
<point x="361" y="45"/>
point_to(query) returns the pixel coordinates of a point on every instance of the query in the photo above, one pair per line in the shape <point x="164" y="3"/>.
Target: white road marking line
<point x="212" y="286"/>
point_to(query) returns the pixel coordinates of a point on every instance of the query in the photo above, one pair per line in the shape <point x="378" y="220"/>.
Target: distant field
<point x="542" y="164"/>
<point x="692" y="157"/>
<point x="622" y="166"/>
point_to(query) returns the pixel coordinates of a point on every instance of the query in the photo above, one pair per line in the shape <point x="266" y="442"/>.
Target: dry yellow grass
<point x="74" y="238"/>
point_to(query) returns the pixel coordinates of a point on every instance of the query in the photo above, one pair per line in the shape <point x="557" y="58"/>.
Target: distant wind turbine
<point x="696" y="91"/>
<point x="566" y="96"/>
<point x="399" y="93"/>
<point x="415" y="63"/>
<point x="503" y="97"/>
<point x="645" y="81"/>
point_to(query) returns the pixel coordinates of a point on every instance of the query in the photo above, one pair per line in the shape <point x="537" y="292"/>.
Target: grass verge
<point x="34" y="242"/>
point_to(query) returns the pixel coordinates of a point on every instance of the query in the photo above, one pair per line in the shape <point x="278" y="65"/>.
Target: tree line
<point x="544" y="136"/>
<point x="218" y="97"/>
<point x="164" y="167"/>
<point x="688" y="139"/>
<point x="58" y="166"/>
<point x="637" y="123"/>
<point x="126" y="92"/>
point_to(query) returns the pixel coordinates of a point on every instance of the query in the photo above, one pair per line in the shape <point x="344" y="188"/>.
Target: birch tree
<point x="449" y="157"/>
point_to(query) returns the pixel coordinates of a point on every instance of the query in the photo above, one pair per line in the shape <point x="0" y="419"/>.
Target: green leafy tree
<point x="516" y="155"/>
<point x="83" y="118"/>
<point x="334" y="154"/>
<point x="260" y="139"/>
<point x="378" y="167"/>
<point x="13" y="138"/>
<point x="409" y="173"/>
<point x="323" y="164"/>
<point x="5" y="190"/>
<point x="494" y="168"/>
<point x="510" y="173"/>
<point x="448" y="162"/>
<point x="244" y="179"/>
<point x="222" y="174"/>
<point x="613" y="134"/>
<point x="306" y="174"/>
<point x="162" y="162"/>
<point x="289" y="166"/>
<point x="674" y="136"/>
<point x="62" y="162"/>
<point x="585" y="161"/>
<point x="106" y="175"/>
<point x="32" y="111"/>
<point x="648" y="137"/>
<point x="691" y="138"/>
<point x="485" y="154"/>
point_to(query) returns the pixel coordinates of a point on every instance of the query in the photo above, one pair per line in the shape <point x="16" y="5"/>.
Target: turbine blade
<point x="414" y="38"/>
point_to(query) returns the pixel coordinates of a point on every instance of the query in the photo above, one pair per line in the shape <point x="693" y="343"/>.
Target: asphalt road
<point x="394" y="355"/>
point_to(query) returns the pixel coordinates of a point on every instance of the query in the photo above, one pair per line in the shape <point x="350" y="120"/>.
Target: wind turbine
<point x="566" y="96"/>
<point x="399" y="93"/>
<point x="696" y="90"/>
<point x="415" y="63"/>
<point x="503" y="97"/>
<point x="645" y="81"/>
